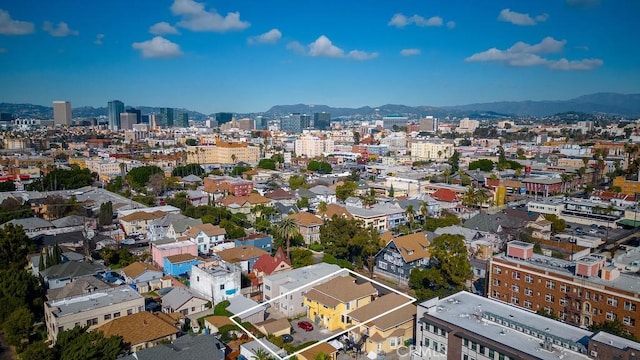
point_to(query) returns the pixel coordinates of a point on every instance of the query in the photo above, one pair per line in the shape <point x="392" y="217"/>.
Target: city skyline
<point x="245" y="57"/>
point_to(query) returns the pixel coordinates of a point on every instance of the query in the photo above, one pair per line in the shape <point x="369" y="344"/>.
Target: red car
<point x="305" y="325"/>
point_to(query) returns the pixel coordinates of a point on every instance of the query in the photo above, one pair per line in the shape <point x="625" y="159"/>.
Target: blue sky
<point x="247" y="55"/>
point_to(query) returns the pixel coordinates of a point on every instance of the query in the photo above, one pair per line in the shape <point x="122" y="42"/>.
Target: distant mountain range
<point x="627" y="105"/>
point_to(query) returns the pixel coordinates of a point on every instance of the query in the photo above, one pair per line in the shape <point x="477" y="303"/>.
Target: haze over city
<point x="246" y="56"/>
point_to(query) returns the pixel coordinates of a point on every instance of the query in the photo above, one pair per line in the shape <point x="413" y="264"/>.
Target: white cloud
<point x="400" y="20"/>
<point x="195" y="17"/>
<point x="158" y="47"/>
<point x="60" y="30"/>
<point x="270" y="37"/>
<point x="361" y="55"/>
<point x="324" y="47"/>
<point x="296" y="47"/>
<point x="517" y="18"/>
<point x="163" y="28"/>
<point x="410" y="52"/>
<point x="98" y="40"/>
<point x="522" y="54"/>
<point x="9" y="26"/>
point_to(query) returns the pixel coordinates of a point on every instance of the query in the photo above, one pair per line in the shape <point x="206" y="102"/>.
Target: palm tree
<point x="410" y="213"/>
<point x="423" y="211"/>
<point x="262" y="354"/>
<point x="287" y="229"/>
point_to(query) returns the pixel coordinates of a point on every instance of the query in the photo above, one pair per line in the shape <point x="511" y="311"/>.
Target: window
<point x="550" y="284"/>
<point x="629" y="306"/>
<point x="116" y="315"/>
<point x="528" y="279"/>
<point x="496" y="294"/>
<point x="193" y="309"/>
<point x="492" y="353"/>
<point x="267" y="287"/>
<point x="474" y="346"/>
<point x="222" y="287"/>
<point x="496" y="282"/>
<point x="549" y="298"/>
<point x="516" y="275"/>
<point x="515" y="300"/>
<point x="612" y="301"/>
<point x="198" y="278"/>
<point x="528" y="304"/>
<point x="497" y="270"/>
<point x="611" y="316"/>
<point x="627" y="320"/>
<point x="564" y="302"/>
<point x="528" y="292"/>
<point x="481" y="350"/>
<point x="392" y="342"/>
<point x="129" y="312"/>
<point x="515" y="288"/>
<point x="382" y="265"/>
<point x="92" y="322"/>
<point x="466" y="342"/>
<point x="564" y="288"/>
<point x="107" y="317"/>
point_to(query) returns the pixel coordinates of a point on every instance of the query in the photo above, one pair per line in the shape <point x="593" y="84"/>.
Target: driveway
<point x="300" y="336"/>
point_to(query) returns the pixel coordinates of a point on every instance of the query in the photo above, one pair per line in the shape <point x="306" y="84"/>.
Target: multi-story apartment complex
<point x="92" y="309"/>
<point x="312" y="146"/>
<point x="581" y="292"/>
<point x="467" y="326"/>
<point x="226" y="184"/>
<point x="223" y="153"/>
<point x="438" y="150"/>
<point x="627" y="186"/>
<point x="106" y="169"/>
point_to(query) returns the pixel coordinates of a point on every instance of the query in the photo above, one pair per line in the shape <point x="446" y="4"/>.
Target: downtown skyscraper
<point x="62" y="112"/>
<point x="115" y="108"/>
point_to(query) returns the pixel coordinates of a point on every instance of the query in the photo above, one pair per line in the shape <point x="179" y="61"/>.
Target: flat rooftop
<point x="297" y="278"/>
<point x="95" y="300"/>
<point x="626" y="282"/>
<point x="508" y="325"/>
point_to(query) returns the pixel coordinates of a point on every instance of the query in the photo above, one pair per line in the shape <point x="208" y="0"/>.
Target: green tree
<point x="139" y="176"/>
<point x="356" y="138"/>
<point x="454" y="161"/>
<point x="18" y="326"/>
<point x="325" y="168"/>
<point x="105" y="216"/>
<point x="297" y="182"/>
<point x="346" y="190"/>
<point x="287" y="229"/>
<point x="614" y="327"/>
<point x="303" y="203"/>
<point x="61" y="179"/>
<point x="313" y="165"/>
<point x="557" y="225"/>
<point x="78" y="343"/>
<point x="7" y="186"/>
<point x="19" y="288"/>
<point x="392" y="192"/>
<point x="267" y="164"/>
<point x="14" y="247"/>
<point x="190" y="142"/>
<point x="301" y="257"/>
<point x="262" y="354"/>
<point x="449" y="268"/>
<point x="431" y="224"/>
<point x="40" y="351"/>
<point x="485" y="165"/>
<point x="189" y="169"/>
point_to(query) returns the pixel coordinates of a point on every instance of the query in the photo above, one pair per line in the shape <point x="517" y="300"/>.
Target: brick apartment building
<point x="580" y="293"/>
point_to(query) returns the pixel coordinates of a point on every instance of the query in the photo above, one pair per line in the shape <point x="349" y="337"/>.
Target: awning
<point x="629" y="222"/>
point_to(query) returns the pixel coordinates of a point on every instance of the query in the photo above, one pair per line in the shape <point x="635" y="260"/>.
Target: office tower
<point x="115" y="107"/>
<point x="388" y="122"/>
<point x="223" y="117"/>
<point x="429" y="124"/>
<point x="165" y="119"/>
<point x="182" y="120"/>
<point x="127" y="120"/>
<point x="62" y="112"/>
<point x="144" y="119"/>
<point x="321" y="120"/>
<point x="262" y="123"/>
<point x="295" y="123"/>
<point x="5" y="116"/>
<point x="135" y="111"/>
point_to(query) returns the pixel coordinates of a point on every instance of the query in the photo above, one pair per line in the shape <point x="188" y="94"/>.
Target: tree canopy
<point x="268" y="164"/>
<point x="189" y="169"/>
<point x="346" y="190"/>
<point x="482" y="164"/>
<point x="321" y="167"/>
<point x="14" y="247"/>
<point x="139" y="176"/>
<point x="297" y="181"/>
<point x="448" y="270"/>
<point x="63" y="179"/>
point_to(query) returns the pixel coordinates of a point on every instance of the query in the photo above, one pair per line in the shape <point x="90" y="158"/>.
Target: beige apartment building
<point x="439" y="150"/>
<point x="312" y="146"/>
<point x="92" y="309"/>
<point x="223" y="153"/>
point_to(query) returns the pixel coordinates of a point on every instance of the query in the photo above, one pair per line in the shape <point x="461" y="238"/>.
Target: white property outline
<point x="334" y="274"/>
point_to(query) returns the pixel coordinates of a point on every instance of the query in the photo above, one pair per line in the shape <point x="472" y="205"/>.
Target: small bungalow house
<point x="184" y="301"/>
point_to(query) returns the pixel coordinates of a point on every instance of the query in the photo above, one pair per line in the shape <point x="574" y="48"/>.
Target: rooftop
<point x="94" y="300"/>
<point x="138" y="328"/>
<point x="508" y="325"/>
<point x="300" y="277"/>
<point x="340" y="290"/>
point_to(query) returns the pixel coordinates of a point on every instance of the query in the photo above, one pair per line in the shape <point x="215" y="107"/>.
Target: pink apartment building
<point x="161" y="251"/>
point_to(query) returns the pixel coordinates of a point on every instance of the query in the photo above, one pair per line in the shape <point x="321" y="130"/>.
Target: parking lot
<point x="606" y="234"/>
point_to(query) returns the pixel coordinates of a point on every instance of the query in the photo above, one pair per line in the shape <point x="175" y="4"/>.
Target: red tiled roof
<point x="445" y="195"/>
<point x="268" y="264"/>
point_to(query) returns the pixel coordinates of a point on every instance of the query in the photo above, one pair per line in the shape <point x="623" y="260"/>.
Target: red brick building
<point x="580" y="293"/>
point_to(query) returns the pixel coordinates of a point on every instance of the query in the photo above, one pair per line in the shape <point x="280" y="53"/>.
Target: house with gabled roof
<point x="329" y="303"/>
<point x="184" y="301"/>
<point x="335" y="209"/>
<point x="138" y="222"/>
<point x="244" y="204"/>
<point x="141" y="330"/>
<point x="448" y="199"/>
<point x="172" y="226"/>
<point x="243" y="256"/>
<point x="81" y="285"/>
<point x="308" y="226"/>
<point x="387" y="333"/>
<point x="181" y="264"/>
<point x="138" y="272"/>
<point x="267" y="264"/>
<point x="206" y="237"/>
<point x="401" y="254"/>
<point x="60" y="275"/>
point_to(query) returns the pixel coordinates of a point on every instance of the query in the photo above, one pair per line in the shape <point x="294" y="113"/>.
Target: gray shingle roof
<point x="30" y="223"/>
<point x="72" y="269"/>
<point x="187" y="347"/>
<point x="177" y="297"/>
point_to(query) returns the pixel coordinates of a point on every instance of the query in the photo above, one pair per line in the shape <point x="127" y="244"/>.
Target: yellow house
<point x="387" y="333"/>
<point x="329" y="303"/>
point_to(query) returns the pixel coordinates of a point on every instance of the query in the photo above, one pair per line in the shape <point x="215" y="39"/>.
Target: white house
<point x="217" y="280"/>
<point x="206" y="236"/>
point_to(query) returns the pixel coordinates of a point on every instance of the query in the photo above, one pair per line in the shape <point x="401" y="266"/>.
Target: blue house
<point x="401" y="255"/>
<point x="260" y="241"/>
<point x="180" y="264"/>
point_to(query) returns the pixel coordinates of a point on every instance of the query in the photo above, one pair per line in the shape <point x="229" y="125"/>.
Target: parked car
<point x="305" y="325"/>
<point x="286" y="338"/>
